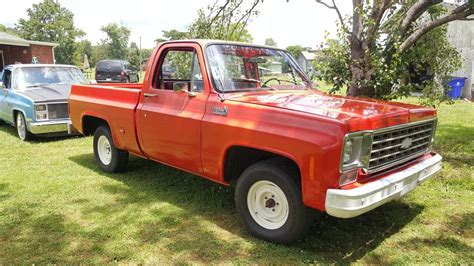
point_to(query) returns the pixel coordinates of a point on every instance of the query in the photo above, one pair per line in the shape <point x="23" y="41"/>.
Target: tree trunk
<point x="360" y="66"/>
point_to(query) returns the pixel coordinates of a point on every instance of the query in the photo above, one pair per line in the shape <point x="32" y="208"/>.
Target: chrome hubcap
<point x="267" y="205"/>
<point x="20" y="126"/>
<point x="105" y="150"/>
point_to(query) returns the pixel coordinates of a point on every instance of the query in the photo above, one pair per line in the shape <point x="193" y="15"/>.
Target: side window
<point x="180" y="66"/>
<point x="7" y="78"/>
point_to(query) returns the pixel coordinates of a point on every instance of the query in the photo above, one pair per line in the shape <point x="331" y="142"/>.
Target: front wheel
<point x="269" y="202"/>
<point x="108" y="157"/>
<point x="21" y="128"/>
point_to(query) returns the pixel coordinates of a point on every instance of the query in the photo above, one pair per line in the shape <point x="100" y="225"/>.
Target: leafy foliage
<point x="388" y="70"/>
<point x="270" y="42"/>
<point x="83" y="47"/>
<point x="116" y="42"/>
<point x="225" y="20"/>
<point x="9" y="30"/>
<point x="49" y="22"/>
<point x="295" y="50"/>
<point x="134" y="55"/>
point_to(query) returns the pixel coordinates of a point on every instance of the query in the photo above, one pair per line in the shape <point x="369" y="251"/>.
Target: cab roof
<point x="206" y="42"/>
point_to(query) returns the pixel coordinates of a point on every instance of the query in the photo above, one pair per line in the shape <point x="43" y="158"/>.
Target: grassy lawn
<point x="57" y="207"/>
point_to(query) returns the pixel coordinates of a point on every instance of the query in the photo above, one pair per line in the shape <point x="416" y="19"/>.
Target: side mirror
<point x="182" y="87"/>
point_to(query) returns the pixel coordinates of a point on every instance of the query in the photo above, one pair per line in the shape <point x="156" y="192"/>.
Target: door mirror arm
<point x="183" y="87"/>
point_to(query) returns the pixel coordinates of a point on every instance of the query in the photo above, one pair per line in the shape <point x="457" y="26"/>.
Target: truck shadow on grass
<point x="185" y="214"/>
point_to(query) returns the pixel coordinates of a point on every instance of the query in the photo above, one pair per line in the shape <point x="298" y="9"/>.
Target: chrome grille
<point x="58" y="111"/>
<point x="395" y="146"/>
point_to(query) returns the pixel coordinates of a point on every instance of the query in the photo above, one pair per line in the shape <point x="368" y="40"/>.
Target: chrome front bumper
<point x="49" y="127"/>
<point x="353" y="202"/>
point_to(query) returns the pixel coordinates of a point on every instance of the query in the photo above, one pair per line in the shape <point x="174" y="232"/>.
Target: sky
<point x="302" y="22"/>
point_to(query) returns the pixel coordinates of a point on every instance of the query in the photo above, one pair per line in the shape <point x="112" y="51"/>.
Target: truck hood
<point x="48" y="93"/>
<point x="357" y="113"/>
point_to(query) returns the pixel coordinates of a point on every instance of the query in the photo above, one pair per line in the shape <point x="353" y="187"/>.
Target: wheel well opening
<point x="240" y="158"/>
<point x="90" y="124"/>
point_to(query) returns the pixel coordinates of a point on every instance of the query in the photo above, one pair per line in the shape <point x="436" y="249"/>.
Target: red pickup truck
<point x="247" y="113"/>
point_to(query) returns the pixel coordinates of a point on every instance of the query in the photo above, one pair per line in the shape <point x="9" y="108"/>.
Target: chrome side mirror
<point x="182" y="87"/>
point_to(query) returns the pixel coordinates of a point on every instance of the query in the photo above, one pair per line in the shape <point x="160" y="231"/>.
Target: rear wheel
<point x="21" y="128"/>
<point x="269" y="202"/>
<point x="108" y="157"/>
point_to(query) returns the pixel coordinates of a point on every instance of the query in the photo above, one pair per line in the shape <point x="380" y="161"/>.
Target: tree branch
<point x="335" y="8"/>
<point x="377" y="15"/>
<point x="459" y="13"/>
<point x="414" y="12"/>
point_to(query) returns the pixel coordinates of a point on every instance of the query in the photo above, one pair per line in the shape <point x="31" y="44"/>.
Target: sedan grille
<point x="58" y="111"/>
<point x="395" y="146"/>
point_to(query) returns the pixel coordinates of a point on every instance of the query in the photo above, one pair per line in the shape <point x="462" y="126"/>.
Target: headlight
<point x="41" y="111"/>
<point x="355" y="155"/>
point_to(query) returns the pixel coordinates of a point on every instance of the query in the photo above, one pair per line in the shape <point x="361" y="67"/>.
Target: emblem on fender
<point x="220" y="111"/>
<point x="406" y="143"/>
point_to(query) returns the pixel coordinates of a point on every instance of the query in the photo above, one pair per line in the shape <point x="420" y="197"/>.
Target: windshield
<point x="28" y="77"/>
<point x="110" y="66"/>
<point x="246" y="68"/>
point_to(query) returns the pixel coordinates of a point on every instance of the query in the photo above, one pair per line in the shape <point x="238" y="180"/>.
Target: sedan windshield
<point x="247" y="68"/>
<point x="28" y="77"/>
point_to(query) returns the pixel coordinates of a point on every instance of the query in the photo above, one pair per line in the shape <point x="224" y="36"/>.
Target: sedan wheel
<point x="21" y="128"/>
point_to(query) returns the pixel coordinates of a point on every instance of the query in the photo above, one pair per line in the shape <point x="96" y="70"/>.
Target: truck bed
<point x="115" y="103"/>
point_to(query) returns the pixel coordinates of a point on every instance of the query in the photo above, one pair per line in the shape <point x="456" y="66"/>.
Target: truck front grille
<point x="58" y="111"/>
<point x="395" y="146"/>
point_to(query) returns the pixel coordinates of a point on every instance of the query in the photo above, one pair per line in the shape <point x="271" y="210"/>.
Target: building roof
<point x="9" y="39"/>
<point x="308" y="55"/>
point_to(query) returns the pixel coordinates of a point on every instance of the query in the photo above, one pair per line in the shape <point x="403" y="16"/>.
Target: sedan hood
<point x="358" y="113"/>
<point x="48" y="93"/>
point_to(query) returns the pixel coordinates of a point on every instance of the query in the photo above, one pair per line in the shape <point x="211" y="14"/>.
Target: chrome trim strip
<point x="400" y="137"/>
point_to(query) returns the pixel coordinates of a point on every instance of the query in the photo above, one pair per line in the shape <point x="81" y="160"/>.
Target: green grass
<point x="57" y="207"/>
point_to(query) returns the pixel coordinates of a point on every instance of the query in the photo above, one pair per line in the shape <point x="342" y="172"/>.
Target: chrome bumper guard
<point x="353" y="202"/>
<point x="49" y="127"/>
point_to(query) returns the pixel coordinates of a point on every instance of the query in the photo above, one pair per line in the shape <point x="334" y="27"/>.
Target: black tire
<point x="118" y="158"/>
<point x="21" y="128"/>
<point x="298" y="220"/>
<point x="127" y="80"/>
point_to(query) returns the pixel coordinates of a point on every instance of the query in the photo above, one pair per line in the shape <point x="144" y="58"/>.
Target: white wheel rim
<point x="267" y="205"/>
<point x="105" y="150"/>
<point x="20" y="126"/>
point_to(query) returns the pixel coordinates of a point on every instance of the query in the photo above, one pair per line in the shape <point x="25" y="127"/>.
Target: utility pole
<point x="140" y="56"/>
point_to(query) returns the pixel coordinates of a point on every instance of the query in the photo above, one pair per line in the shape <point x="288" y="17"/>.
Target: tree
<point x="116" y="42"/>
<point x="224" y="21"/>
<point x="9" y="30"/>
<point x="384" y="38"/>
<point x="49" y="22"/>
<point x="83" y="47"/>
<point x="295" y="50"/>
<point x="270" y="42"/>
<point x="134" y="55"/>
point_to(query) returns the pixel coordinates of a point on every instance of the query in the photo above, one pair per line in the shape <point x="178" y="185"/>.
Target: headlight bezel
<point x="358" y="154"/>
<point x="42" y="114"/>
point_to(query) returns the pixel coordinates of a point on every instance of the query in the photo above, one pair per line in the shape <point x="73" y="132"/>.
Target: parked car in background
<point x="34" y="98"/>
<point x="116" y="71"/>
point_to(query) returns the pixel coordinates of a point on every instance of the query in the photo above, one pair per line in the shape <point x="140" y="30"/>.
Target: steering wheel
<point x="270" y="79"/>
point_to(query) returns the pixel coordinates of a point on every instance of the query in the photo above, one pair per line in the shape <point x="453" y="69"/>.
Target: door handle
<point x="148" y="95"/>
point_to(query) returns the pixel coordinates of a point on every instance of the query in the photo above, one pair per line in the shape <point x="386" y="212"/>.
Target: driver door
<point x="170" y="121"/>
<point x="5" y="107"/>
